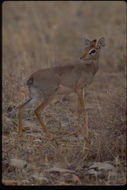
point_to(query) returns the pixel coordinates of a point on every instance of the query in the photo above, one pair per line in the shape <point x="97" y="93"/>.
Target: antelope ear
<point x="101" y="42"/>
<point x="87" y="42"/>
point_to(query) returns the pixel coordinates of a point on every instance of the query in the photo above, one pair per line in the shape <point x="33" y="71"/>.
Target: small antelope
<point x="45" y="84"/>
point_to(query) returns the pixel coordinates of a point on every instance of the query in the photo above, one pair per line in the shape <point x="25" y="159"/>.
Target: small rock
<point x="100" y="169"/>
<point x="18" y="163"/>
<point x="112" y="175"/>
<point x="38" y="140"/>
<point x="102" y="166"/>
<point x="40" y="179"/>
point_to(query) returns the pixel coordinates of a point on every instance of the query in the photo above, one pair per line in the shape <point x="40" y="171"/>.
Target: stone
<point x="18" y="163"/>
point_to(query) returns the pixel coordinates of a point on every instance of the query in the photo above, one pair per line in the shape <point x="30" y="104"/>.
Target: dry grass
<point x="43" y="34"/>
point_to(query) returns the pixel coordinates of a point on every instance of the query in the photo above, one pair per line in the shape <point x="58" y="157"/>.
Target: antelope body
<point x="45" y="84"/>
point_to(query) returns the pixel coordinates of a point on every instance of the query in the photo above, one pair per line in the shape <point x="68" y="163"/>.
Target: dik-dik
<point x="45" y="84"/>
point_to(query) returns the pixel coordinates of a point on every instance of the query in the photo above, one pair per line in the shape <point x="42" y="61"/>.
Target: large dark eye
<point x="92" y="51"/>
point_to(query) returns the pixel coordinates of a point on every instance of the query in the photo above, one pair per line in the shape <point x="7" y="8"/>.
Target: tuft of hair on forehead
<point x="93" y="43"/>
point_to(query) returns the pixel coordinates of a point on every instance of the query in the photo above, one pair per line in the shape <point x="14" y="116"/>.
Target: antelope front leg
<point x="79" y="117"/>
<point x="82" y="108"/>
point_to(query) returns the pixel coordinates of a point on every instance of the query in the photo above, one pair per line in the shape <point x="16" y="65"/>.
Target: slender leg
<point x="20" y="116"/>
<point x="38" y="112"/>
<point x="79" y="116"/>
<point x="82" y="109"/>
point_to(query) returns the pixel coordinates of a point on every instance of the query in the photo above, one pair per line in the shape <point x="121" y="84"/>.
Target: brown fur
<point x="46" y="84"/>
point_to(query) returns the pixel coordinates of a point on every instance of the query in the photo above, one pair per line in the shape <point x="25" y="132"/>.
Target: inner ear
<point x="101" y="42"/>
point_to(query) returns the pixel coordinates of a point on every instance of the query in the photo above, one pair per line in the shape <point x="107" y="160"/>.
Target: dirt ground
<point x="44" y="34"/>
